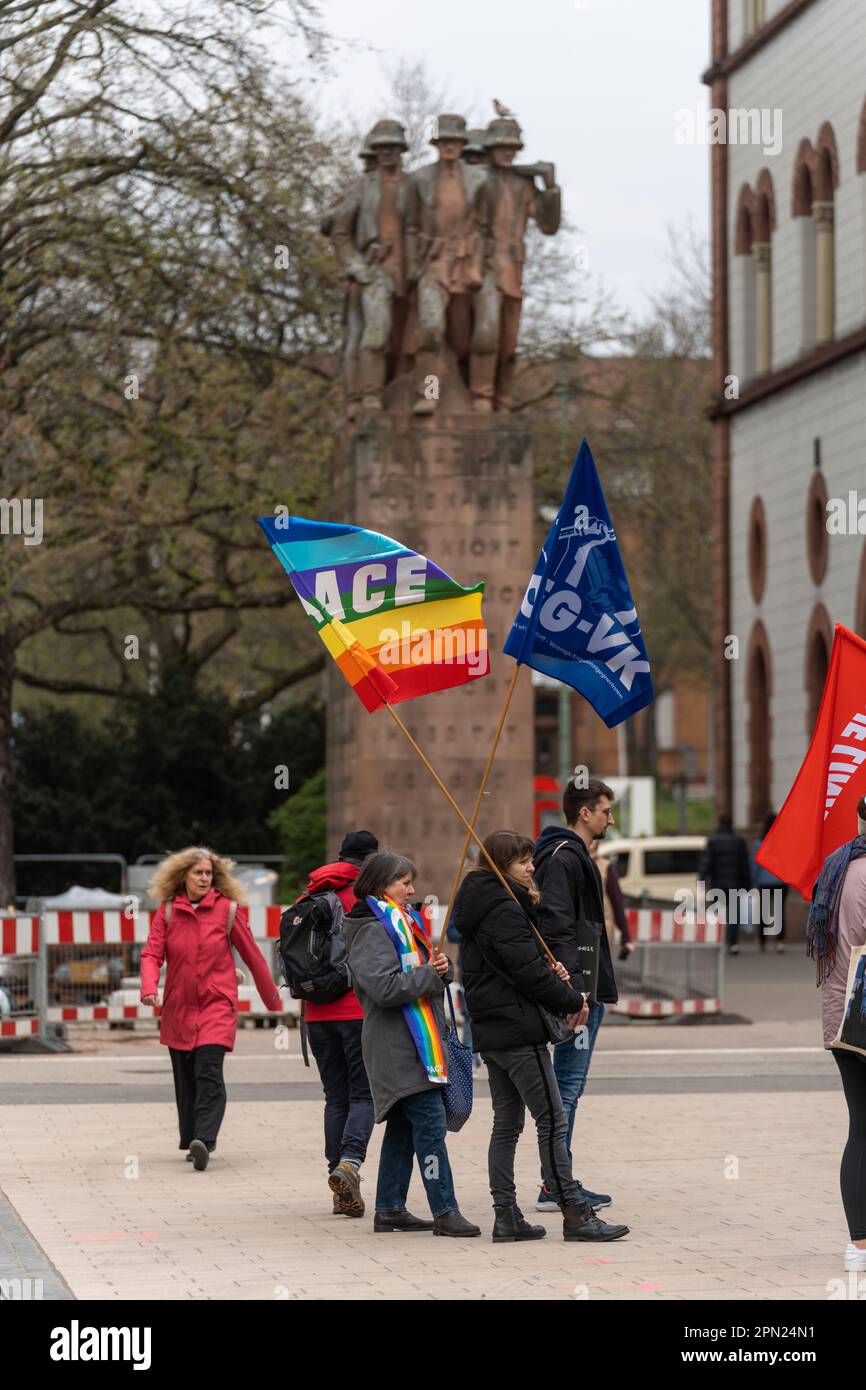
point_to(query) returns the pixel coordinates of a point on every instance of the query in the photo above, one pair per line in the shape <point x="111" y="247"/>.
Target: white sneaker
<point x="854" y="1257"/>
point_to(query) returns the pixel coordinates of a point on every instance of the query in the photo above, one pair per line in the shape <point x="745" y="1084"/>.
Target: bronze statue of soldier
<point x="353" y="318"/>
<point x="445" y="239"/>
<point x="512" y="198"/>
<point x="368" y="234"/>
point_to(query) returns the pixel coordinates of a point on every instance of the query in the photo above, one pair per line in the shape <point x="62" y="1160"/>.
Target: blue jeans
<point x="336" y="1046"/>
<point x="416" y="1127"/>
<point x="571" y="1067"/>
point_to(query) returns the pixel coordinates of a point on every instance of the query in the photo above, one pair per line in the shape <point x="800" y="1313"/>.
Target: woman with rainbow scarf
<point x="400" y="980"/>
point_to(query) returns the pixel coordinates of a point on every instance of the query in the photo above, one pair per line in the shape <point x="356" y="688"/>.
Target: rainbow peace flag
<point x="396" y="625"/>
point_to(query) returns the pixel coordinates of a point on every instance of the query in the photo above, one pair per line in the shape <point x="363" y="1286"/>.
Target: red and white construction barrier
<point x="18" y="1027"/>
<point x="650" y="924"/>
<point x="660" y="1008"/>
<point x="661" y="928"/>
<point x="122" y="1013"/>
<point x="19" y="936"/>
<point x="115" y="927"/>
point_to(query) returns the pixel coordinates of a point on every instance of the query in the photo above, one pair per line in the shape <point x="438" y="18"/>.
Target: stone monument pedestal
<point x="457" y="487"/>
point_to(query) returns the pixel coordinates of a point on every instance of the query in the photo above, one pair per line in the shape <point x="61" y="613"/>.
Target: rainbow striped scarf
<point x="407" y="935"/>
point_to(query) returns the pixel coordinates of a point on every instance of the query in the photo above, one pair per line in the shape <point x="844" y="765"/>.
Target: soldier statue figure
<point x="369" y="239"/>
<point x="445" y="242"/>
<point x="512" y="199"/>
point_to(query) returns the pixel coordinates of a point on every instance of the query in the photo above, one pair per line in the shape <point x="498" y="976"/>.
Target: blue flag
<point x="578" y="621"/>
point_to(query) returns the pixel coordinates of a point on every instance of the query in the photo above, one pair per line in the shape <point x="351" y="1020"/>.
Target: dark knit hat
<point x="357" y="845"/>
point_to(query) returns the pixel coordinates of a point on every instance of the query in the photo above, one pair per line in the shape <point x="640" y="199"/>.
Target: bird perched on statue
<point x="502" y="110"/>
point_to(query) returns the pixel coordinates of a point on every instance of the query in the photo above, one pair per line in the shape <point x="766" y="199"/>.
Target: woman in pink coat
<point x="199" y="909"/>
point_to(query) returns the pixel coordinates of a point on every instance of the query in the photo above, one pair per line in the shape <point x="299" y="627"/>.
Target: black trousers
<point x="200" y="1093"/>
<point x="853" y="1172"/>
<point x="521" y="1079"/>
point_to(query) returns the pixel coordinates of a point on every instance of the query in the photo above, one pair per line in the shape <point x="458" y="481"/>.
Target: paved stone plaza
<point x="721" y="1143"/>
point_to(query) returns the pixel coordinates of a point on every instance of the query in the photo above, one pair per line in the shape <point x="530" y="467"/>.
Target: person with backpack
<point x="763" y="879"/>
<point x="515" y="994"/>
<point x="400" y="979"/>
<point x="197" y="924"/>
<point x="571" y="920"/>
<point x="331" y="1015"/>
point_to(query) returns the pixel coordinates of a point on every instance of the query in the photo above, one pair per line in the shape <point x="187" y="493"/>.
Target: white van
<point x="657" y="865"/>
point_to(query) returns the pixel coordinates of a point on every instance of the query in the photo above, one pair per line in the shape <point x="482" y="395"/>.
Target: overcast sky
<point x="595" y="85"/>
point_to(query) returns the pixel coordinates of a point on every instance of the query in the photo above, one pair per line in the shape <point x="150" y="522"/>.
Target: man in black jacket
<point x="572" y="892"/>
<point x="725" y="868"/>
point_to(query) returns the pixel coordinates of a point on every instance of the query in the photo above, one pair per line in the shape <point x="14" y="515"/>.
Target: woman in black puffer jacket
<point x="506" y="976"/>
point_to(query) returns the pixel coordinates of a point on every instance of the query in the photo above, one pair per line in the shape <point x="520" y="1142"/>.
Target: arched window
<point x="819" y="640"/>
<point x="758" y="695"/>
<point x="816" y="178"/>
<point x="802" y="200"/>
<point x="764" y="224"/>
<point x="744" y="287"/>
<point x="756" y="220"/>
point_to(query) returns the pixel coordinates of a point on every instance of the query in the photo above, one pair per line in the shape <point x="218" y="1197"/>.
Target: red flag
<point x="820" y="812"/>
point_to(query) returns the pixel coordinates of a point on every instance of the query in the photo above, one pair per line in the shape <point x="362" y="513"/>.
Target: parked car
<point x="657" y="866"/>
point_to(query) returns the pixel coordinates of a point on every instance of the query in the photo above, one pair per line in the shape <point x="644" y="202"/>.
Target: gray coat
<point x="394" y="1069"/>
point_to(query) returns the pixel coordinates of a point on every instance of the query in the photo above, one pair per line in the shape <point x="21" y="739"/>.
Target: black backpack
<point x="313" y="950"/>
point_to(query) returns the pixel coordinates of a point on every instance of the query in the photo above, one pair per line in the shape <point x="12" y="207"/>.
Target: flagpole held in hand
<point x="477" y="808"/>
<point x="446" y="793"/>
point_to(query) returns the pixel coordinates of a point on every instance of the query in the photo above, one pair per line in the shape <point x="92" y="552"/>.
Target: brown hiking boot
<point x="345" y="1182"/>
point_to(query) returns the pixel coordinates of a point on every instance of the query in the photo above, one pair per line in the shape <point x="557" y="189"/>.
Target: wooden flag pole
<point x="446" y="793"/>
<point x="467" y="842"/>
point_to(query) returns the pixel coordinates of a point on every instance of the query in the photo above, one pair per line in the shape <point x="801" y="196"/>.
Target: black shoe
<point x="511" y="1225"/>
<point x="579" y="1222"/>
<point x="453" y="1224"/>
<point x="385" y="1221"/>
<point x="199" y="1153"/>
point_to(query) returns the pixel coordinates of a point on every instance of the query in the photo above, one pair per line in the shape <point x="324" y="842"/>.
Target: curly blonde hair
<point x="168" y="880"/>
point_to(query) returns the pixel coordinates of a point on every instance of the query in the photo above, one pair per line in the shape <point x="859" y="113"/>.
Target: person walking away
<point x="572" y="892"/>
<point x="199" y="920"/>
<point x="509" y="980"/>
<point x="762" y="879"/>
<point x="724" y="867"/>
<point x="836" y="927"/>
<point x="400" y="980"/>
<point x="615" y="918"/>
<point x="334" y="1031"/>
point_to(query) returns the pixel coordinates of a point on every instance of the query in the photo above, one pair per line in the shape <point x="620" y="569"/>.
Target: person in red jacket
<point x="334" y="1031"/>
<point x="198" y="922"/>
